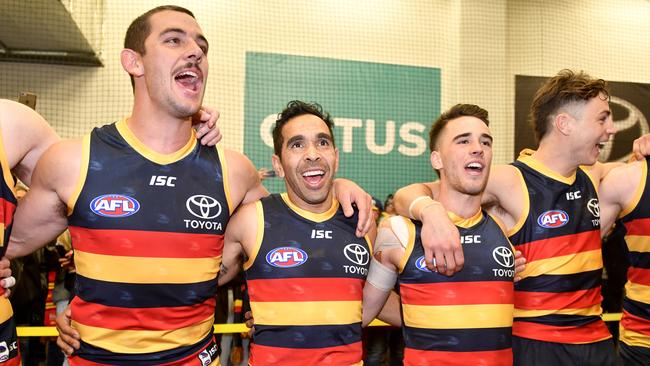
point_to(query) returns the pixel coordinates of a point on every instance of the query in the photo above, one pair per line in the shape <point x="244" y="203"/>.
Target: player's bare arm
<point x="44" y="206"/>
<point x="617" y="191"/>
<point x="240" y="236"/>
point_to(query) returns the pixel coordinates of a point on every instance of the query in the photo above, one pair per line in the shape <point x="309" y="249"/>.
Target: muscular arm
<point x="440" y="236"/>
<point x="240" y="235"/>
<point x="25" y="136"/>
<point x="43" y="207"/>
<point x="347" y="192"/>
<point x="617" y="191"/>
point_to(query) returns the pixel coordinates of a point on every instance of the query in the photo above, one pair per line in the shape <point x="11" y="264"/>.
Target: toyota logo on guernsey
<point x="553" y="219"/>
<point x="286" y="257"/>
<point x="203" y="207"/>
<point x="357" y="254"/>
<point x="114" y="205"/>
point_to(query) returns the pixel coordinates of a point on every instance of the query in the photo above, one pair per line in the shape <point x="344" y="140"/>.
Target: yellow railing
<point x="222" y="328"/>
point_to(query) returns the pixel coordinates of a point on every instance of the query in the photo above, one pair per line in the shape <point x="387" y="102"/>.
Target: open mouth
<point x="313" y="177"/>
<point x="474" y="167"/>
<point x="189" y="80"/>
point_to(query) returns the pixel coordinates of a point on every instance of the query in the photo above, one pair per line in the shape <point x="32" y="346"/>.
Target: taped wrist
<point x="381" y="276"/>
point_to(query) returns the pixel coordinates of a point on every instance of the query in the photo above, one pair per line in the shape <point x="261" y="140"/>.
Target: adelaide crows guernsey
<point x="147" y="230"/>
<point x="305" y="282"/>
<point x="558" y="299"/>
<point x="8" y="341"/>
<point x="635" y="323"/>
<point x="464" y="319"/>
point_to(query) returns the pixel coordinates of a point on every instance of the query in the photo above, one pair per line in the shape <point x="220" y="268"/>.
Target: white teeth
<point x="474" y="165"/>
<point x="312" y="173"/>
<point x="188" y="73"/>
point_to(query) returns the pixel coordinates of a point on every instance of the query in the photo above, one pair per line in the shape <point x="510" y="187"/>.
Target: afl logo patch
<point x="422" y="265"/>
<point x="114" y="205"/>
<point x="553" y="219"/>
<point x="286" y="257"/>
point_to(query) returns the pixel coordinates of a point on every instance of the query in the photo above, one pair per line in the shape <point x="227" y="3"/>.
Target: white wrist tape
<point x="381" y="276"/>
<point x="415" y="202"/>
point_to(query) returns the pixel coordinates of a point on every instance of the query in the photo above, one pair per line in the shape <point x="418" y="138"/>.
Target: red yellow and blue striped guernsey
<point x="147" y="230"/>
<point x="305" y="282"/>
<point x="635" y="323"/>
<point x="558" y="299"/>
<point x="464" y="319"/>
<point x="9" y="350"/>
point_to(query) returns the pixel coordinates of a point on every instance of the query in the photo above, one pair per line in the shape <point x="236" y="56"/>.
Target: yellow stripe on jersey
<point x="306" y="312"/>
<point x="527" y="158"/>
<point x="639" y="191"/>
<point x="224" y="172"/>
<point x="593" y="310"/>
<point x="143" y="341"/>
<point x="258" y="238"/>
<point x="6" y="169"/>
<point x="315" y="217"/>
<point x="141" y="270"/>
<point x="410" y="244"/>
<point x="566" y="264"/>
<point x="632" y="338"/>
<point x="458" y="317"/>
<point x="5" y="309"/>
<point x="638" y="243"/>
<point x="637" y="292"/>
<point x="2" y="237"/>
<point x="526" y="208"/>
<point x="151" y="155"/>
<point x="83" y="172"/>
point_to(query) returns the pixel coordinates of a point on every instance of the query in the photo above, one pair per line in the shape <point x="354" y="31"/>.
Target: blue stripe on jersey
<point x="458" y="340"/>
<point x="561" y="320"/>
<point x="560" y="283"/>
<point x="309" y="336"/>
<point x="99" y="355"/>
<point x="144" y="295"/>
<point x="636" y="308"/>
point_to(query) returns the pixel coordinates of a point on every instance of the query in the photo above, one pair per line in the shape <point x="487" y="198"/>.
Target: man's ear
<point x="132" y="62"/>
<point x="277" y="166"/>
<point x="563" y="123"/>
<point x="436" y="161"/>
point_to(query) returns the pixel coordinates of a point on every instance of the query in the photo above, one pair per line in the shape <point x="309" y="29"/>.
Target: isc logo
<point x="286" y="257"/>
<point x="114" y="205"/>
<point x="553" y="219"/>
<point x="321" y="234"/>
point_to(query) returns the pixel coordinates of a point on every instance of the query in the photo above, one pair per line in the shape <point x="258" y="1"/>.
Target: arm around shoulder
<point x="240" y="238"/>
<point x="245" y="183"/>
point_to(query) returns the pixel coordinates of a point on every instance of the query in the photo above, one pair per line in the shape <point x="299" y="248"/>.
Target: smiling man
<point x="147" y="207"/>
<point x="464" y="319"/>
<point x="547" y="201"/>
<point x="304" y="266"/>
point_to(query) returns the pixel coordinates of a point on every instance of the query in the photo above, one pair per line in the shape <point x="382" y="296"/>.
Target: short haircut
<point x="140" y="29"/>
<point x="297" y="108"/>
<point x="560" y="91"/>
<point x="459" y="110"/>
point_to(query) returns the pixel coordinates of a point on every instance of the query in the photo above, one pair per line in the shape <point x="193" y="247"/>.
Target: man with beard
<point x="465" y="318"/>
<point x="146" y="206"/>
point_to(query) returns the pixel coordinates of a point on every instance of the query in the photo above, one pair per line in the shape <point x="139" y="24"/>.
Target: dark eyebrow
<point x="178" y="30"/>
<point x="324" y="135"/>
<point x="489" y="137"/>
<point x="294" y="139"/>
<point x="467" y="134"/>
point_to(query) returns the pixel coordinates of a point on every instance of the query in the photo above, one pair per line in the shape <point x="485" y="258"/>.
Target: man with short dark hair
<point x="465" y="318"/>
<point x="147" y="209"/>
<point x="305" y="268"/>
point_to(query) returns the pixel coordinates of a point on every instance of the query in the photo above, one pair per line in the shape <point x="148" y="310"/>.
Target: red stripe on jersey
<point x="529" y="300"/>
<point x="306" y="289"/>
<point x="635" y="323"/>
<point x="560" y="245"/>
<point x="638" y="227"/>
<point x="416" y="357"/>
<point x="153" y="244"/>
<point x="7" y="212"/>
<point x="639" y="275"/>
<point x="348" y="354"/>
<point x="120" y="318"/>
<point x="589" y="333"/>
<point x="457" y="293"/>
<point x="14" y="361"/>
